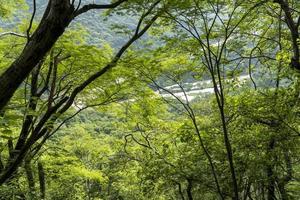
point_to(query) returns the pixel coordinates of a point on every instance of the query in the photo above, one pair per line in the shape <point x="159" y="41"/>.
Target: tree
<point x="56" y="18"/>
<point x="60" y="97"/>
<point x="206" y="106"/>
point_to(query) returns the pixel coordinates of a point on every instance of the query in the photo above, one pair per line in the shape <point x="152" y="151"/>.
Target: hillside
<point x="202" y="102"/>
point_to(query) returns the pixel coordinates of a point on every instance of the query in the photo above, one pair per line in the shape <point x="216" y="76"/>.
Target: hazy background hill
<point x="100" y="29"/>
<point x="98" y="26"/>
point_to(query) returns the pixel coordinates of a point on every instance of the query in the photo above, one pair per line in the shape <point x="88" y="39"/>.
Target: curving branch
<point x="31" y="20"/>
<point x="13" y="34"/>
<point x="88" y="7"/>
<point x="109" y="66"/>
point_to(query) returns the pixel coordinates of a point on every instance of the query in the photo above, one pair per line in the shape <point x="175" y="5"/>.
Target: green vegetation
<point x="200" y="101"/>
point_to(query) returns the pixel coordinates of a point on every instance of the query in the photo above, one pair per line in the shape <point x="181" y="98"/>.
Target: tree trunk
<point x="42" y="180"/>
<point x="30" y="177"/>
<point x="293" y="27"/>
<point x="282" y="190"/>
<point x="180" y="190"/>
<point x="189" y="189"/>
<point x="56" y="18"/>
<point x="270" y="174"/>
<point x="220" y="98"/>
<point x="287" y="178"/>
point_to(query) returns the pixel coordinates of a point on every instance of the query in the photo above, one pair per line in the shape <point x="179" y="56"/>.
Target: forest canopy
<point x="150" y="99"/>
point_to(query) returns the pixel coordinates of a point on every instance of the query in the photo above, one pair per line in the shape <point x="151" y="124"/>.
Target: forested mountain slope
<point x="196" y="100"/>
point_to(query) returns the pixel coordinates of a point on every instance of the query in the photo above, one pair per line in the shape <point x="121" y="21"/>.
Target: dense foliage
<point x="198" y="100"/>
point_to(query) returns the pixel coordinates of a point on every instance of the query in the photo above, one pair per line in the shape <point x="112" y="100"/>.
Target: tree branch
<point x="88" y="7"/>
<point x="31" y="20"/>
<point x="13" y="34"/>
<point x="110" y="65"/>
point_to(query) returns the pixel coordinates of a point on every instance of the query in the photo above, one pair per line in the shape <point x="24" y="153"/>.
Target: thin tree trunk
<point x="180" y="191"/>
<point x="229" y="155"/>
<point x="30" y="177"/>
<point x="42" y="180"/>
<point x="270" y="174"/>
<point x="1" y="163"/>
<point x="287" y="178"/>
<point x="189" y="189"/>
<point x="282" y="190"/>
<point x="221" y="103"/>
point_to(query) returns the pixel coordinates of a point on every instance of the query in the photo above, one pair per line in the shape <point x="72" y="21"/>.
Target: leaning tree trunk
<point x="57" y="17"/>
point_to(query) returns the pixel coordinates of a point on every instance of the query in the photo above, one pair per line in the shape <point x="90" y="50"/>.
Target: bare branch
<point x="13" y="34"/>
<point x="88" y="7"/>
<point x="31" y="20"/>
